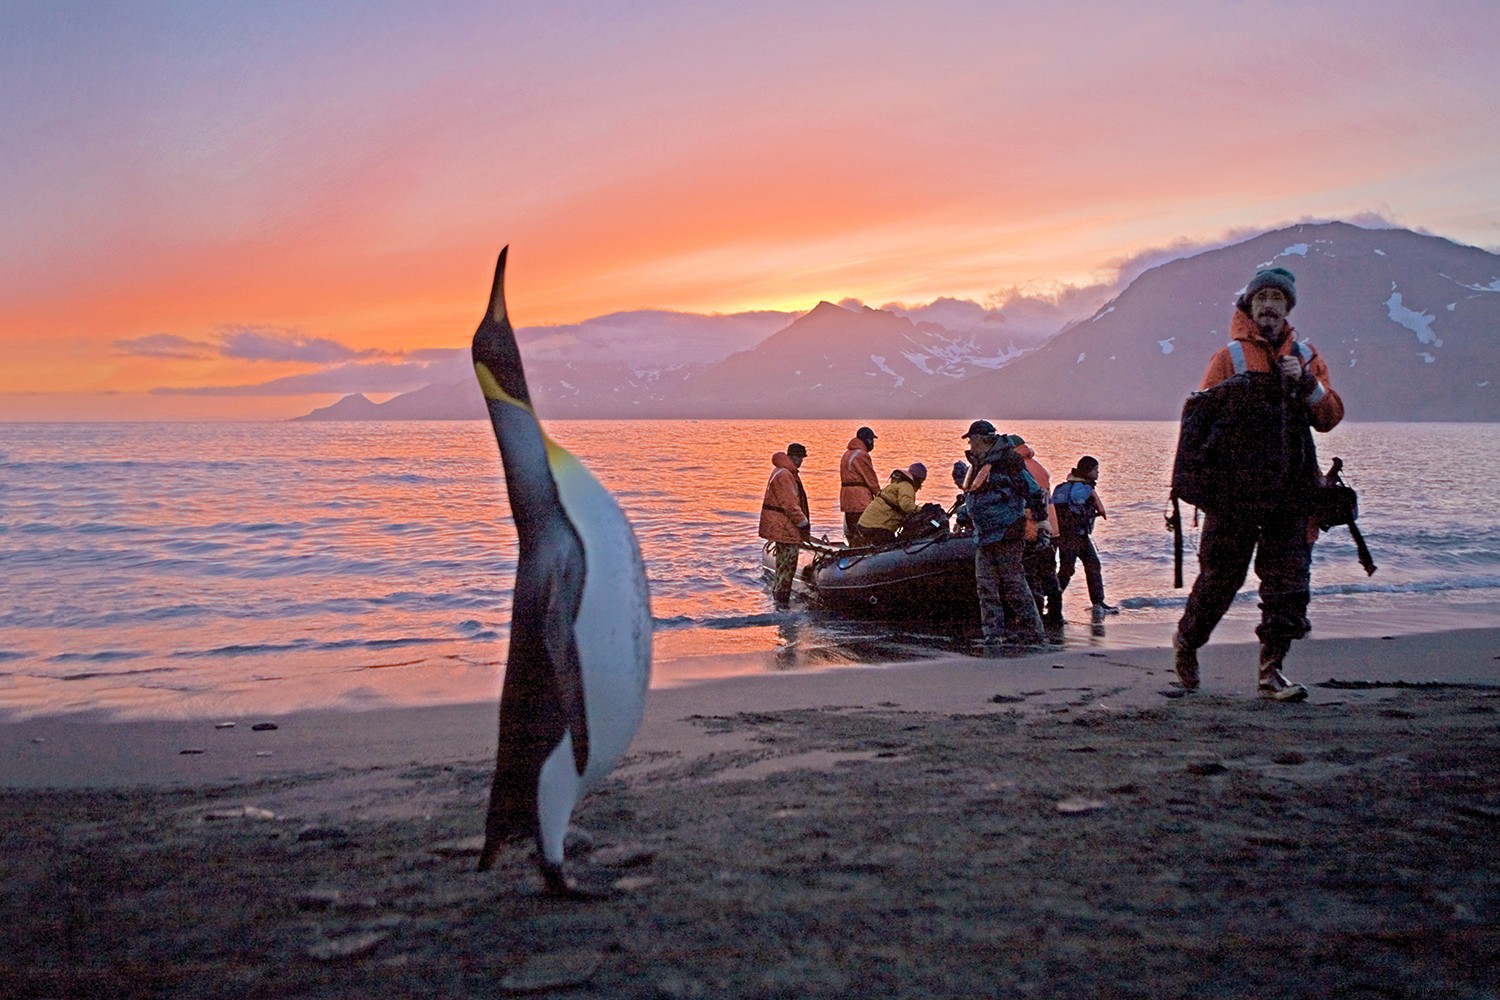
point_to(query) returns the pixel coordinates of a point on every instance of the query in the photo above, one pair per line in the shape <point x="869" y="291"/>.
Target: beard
<point x="1272" y="327"/>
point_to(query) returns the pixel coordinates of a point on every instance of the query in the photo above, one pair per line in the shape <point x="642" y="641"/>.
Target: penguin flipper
<point x="563" y="598"/>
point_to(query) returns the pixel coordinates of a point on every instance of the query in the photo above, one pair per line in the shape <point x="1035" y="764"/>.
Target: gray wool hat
<point x="1271" y="277"/>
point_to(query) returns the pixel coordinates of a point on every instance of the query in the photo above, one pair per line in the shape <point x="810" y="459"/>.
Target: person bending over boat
<point x="783" y="518"/>
<point x="885" y="514"/>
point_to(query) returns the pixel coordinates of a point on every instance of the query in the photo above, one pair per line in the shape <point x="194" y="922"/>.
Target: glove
<point x="1291" y="367"/>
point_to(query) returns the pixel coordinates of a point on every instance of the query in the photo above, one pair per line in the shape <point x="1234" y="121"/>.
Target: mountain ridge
<point x="1409" y="324"/>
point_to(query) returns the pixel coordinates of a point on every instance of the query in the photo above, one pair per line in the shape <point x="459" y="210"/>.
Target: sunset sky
<point x="204" y="198"/>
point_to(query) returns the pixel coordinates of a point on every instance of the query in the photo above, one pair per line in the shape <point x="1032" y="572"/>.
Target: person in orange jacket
<point x="858" y="483"/>
<point x="1279" y="541"/>
<point x="784" y="519"/>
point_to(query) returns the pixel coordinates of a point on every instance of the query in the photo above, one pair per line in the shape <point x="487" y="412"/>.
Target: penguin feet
<point x="560" y="885"/>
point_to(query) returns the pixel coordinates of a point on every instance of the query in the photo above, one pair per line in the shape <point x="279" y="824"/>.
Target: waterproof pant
<point x="1004" y="596"/>
<point x="1071" y="548"/>
<point x="1040" y="562"/>
<point x="786" y="570"/>
<point x="1283" y="561"/>
<point x="851" y="526"/>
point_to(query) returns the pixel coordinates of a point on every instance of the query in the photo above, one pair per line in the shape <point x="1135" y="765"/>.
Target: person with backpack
<point x="1077" y="503"/>
<point x="998" y="492"/>
<point x="1040" y="558"/>
<point x="1245" y="457"/>
<point x="887" y="512"/>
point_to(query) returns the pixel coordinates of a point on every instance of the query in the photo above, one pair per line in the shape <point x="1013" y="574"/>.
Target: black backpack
<point x="928" y="519"/>
<point x="1242" y="448"/>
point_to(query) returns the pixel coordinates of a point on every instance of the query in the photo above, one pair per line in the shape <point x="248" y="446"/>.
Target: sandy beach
<point x="1063" y="824"/>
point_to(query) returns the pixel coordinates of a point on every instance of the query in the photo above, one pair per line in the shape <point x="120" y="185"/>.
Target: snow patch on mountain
<point x="879" y="362"/>
<point x="1417" y="322"/>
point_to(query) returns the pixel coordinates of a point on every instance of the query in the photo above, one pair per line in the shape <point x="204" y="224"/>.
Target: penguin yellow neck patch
<point x="491" y="389"/>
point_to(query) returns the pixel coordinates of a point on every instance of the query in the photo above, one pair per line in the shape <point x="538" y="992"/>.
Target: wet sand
<point x="1066" y="824"/>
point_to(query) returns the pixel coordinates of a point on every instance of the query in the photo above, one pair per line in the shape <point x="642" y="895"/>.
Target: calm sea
<point x="197" y="570"/>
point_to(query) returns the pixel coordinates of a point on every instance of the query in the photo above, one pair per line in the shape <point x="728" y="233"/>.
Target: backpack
<point x="1241" y="448"/>
<point x="928" y="519"/>
<point x="1008" y="492"/>
<point x="1074" y="502"/>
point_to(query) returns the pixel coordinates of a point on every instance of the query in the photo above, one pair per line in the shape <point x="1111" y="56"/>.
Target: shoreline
<point x="803" y="640"/>
<point x="94" y="750"/>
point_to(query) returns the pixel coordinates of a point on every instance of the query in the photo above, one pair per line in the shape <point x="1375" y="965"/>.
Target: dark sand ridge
<point x="1052" y="825"/>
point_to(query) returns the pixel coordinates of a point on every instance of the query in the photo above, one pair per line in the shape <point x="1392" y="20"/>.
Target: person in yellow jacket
<point x="881" y="519"/>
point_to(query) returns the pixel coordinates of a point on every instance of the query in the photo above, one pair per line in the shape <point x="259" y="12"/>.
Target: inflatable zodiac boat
<point x="930" y="577"/>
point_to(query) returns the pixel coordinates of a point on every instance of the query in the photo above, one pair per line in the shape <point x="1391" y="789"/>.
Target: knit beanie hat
<point x="1271" y="277"/>
<point x="917" y="471"/>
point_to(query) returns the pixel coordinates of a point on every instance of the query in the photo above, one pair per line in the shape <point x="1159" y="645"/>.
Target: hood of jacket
<point x="1242" y="327"/>
<point x="783" y="461"/>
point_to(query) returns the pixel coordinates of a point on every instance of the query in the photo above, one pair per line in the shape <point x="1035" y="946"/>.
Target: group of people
<point x="1031" y="536"/>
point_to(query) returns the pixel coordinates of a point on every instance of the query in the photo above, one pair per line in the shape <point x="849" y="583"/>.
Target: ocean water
<point x="191" y="570"/>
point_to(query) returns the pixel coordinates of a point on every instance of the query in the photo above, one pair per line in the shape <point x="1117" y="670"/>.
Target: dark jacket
<point x="1000" y="493"/>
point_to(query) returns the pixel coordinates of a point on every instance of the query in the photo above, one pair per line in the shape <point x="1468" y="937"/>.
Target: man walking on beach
<point x="998" y="493"/>
<point x="858" y="483"/>
<point x="783" y="518"/>
<point x="1285" y="395"/>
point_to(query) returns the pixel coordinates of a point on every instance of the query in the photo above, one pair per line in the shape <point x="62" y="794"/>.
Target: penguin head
<point x="494" y="347"/>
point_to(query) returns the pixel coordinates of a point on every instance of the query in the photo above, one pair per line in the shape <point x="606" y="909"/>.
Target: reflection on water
<point x="176" y="568"/>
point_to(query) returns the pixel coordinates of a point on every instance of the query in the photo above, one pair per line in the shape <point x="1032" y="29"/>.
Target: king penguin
<point x="580" y="638"/>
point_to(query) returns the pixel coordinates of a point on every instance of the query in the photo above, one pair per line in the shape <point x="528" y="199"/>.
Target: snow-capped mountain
<point x="834" y="359"/>
<point x="1409" y="325"/>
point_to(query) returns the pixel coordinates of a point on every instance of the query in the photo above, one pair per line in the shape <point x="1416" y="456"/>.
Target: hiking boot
<point x="1273" y="683"/>
<point x="1275" y="686"/>
<point x="1101" y="609"/>
<point x="1186" y="662"/>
